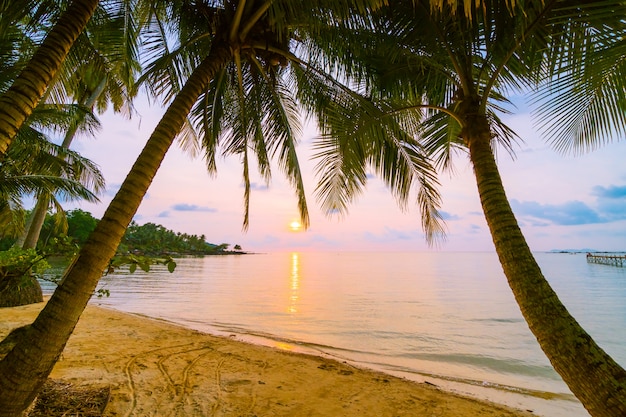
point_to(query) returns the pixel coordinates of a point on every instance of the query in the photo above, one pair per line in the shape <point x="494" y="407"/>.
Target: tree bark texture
<point x="590" y="373"/>
<point x="18" y="102"/>
<point x="36" y="221"/>
<point x="25" y="368"/>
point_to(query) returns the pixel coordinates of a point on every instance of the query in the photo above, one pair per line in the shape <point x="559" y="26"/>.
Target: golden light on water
<point x="294" y="283"/>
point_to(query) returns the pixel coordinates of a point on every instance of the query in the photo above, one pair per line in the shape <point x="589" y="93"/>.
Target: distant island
<point x="152" y="239"/>
<point x="582" y="251"/>
<point x="573" y="251"/>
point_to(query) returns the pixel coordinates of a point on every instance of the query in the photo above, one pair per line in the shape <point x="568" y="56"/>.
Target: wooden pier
<point x="615" y="260"/>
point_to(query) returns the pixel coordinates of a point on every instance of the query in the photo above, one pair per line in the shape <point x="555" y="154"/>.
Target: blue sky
<point x="561" y="201"/>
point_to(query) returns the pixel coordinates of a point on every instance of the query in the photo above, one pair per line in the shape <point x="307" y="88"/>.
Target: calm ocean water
<point x="446" y="318"/>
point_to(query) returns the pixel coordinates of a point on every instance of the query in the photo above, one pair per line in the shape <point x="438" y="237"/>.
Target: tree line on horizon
<point x="147" y="239"/>
<point x="400" y="88"/>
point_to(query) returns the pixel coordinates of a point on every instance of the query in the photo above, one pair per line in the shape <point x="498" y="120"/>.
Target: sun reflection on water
<point x="294" y="283"/>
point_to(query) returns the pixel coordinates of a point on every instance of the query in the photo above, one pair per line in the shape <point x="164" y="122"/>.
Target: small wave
<point x="510" y="366"/>
<point x="345" y="354"/>
<point x="546" y="395"/>
<point x="269" y="338"/>
<point x="496" y="320"/>
<point x="499" y="365"/>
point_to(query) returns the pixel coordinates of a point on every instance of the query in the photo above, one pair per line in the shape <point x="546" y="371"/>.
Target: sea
<point x="445" y="318"/>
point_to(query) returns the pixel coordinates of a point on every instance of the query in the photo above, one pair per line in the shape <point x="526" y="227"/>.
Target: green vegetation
<point x="424" y="81"/>
<point x="19" y="270"/>
<point x="154" y="239"/>
<point x="149" y="239"/>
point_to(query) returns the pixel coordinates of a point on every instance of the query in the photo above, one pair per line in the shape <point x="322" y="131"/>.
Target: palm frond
<point x="12" y="220"/>
<point x="358" y="134"/>
<point x="32" y="154"/>
<point x="441" y="138"/>
<point x="209" y="113"/>
<point x="584" y="107"/>
<point x="65" y="189"/>
<point x="59" y="118"/>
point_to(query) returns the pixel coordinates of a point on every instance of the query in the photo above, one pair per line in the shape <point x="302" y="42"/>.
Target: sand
<point x="155" y="368"/>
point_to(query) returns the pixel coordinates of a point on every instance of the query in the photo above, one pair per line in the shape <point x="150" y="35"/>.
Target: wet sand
<point x="155" y="368"/>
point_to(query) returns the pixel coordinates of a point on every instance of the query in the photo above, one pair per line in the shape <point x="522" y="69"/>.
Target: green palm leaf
<point x="583" y="106"/>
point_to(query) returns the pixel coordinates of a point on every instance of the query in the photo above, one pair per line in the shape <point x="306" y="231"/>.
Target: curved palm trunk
<point x="28" y="364"/>
<point x="591" y="374"/>
<point x="18" y="102"/>
<point x="35" y="223"/>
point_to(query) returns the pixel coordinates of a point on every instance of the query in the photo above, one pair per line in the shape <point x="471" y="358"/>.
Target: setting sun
<point x="295" y="226"/>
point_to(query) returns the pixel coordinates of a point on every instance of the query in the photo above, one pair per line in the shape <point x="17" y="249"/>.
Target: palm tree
<point x="35" y="222"/>
<point x="33" y="165"/>
<point x="252" y="29"/>
<point x="447" y="71"/>
<point x="94" y="76"/>
<point x="19" y="101"/>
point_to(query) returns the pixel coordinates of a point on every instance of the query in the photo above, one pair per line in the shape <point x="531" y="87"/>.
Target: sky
<point x="560" y="201"/>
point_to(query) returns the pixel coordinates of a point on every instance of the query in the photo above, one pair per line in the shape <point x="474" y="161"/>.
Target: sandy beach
<point x="154" y="368"/>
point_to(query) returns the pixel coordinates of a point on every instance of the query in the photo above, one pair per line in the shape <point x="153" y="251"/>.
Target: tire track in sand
<point x="128" y="371"/>
<point x="178" y="379"/>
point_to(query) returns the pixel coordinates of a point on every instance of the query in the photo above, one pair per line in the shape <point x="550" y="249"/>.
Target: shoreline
<point x="518" y="397"/>
<point x="155" y="367"/>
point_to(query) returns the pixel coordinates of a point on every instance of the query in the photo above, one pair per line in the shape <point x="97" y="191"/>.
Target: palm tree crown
<point x="449" y="70"/>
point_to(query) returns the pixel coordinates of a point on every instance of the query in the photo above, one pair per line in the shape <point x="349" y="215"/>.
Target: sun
<point x="295" y="226"/>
